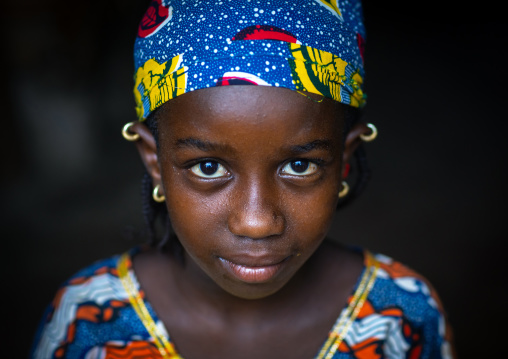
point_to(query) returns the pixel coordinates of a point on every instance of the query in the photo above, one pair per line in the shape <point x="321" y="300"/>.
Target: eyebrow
<point x="207" y="146"/>
<point x="201" y="145"/>
<point x="314" y="145"/>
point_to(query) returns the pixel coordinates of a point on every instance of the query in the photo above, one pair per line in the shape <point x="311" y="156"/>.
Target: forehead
<point x="247" y="110"/>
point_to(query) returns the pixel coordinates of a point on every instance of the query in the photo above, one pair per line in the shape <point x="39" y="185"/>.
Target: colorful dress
<point x="101" y="313"/>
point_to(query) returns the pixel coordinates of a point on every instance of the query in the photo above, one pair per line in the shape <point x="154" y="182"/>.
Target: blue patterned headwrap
<point x="307" y="45"/>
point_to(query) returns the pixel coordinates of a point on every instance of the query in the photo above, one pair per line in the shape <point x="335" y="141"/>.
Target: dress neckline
<point x="162" y="340"/>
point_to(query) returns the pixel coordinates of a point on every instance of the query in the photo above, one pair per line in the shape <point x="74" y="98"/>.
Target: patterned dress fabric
<point x="101" y="313"/>
<point x="310" y="45"/>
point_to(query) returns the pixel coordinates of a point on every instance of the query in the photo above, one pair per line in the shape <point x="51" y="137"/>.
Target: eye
<point x="300" y="168"/>
<point x="209" y="169"/>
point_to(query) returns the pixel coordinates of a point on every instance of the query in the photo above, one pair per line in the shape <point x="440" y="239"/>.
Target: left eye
<point x="209" y="169"/>
<point x="300" y="168"/>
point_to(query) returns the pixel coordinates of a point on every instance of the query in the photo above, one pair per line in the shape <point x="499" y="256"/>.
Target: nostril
<point x="256" y="224"/>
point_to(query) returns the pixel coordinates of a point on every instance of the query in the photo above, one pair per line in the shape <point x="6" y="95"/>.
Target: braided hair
<point x="156" y="214"/>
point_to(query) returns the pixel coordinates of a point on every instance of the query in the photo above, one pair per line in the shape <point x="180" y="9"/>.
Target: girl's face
<point x="251" y="176"/>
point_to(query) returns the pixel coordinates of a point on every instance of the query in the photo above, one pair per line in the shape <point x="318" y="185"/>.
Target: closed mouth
<point x="255" y="272"/>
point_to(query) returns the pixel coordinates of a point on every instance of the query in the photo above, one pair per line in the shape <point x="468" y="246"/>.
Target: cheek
<point x="311" y="216"/>
<point x="194" y="218"/>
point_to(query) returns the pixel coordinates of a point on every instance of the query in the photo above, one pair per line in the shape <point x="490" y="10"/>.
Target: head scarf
<point x="308" y="45"/>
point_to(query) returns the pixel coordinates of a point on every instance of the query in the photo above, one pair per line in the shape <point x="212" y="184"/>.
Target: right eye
<point x="209" y="169"/>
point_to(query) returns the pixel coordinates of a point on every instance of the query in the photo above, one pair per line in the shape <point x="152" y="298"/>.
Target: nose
<point x="256" y="213"/>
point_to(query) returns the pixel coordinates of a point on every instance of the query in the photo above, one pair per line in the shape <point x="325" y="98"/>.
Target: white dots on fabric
<point x="213" y="27"/>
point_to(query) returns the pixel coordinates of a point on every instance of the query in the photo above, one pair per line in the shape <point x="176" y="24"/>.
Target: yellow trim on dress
<point x="165" y="347"/>
<point x="335" y="337"/>
<point x="349" y="315"/>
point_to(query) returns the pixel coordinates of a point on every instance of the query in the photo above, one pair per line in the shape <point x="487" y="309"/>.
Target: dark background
<point x="436" y="80"/>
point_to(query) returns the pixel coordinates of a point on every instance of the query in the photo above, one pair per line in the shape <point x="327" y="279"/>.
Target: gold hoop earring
<point x="156" y="196"/>
<point x="345" y="190"/>
<point x="372" y="136"/>
<point x="128" y="135"/>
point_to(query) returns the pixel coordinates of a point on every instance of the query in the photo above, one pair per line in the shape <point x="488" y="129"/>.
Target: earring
<point x="345" y="190"/>
<point x="156" y="196"/>
<point x="128" y="135"/>
<point x="372" y="136"/>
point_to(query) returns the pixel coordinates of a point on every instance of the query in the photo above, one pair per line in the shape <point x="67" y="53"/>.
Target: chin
<point x="253" y="291"/>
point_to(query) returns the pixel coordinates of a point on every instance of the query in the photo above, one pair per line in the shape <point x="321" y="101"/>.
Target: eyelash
<point x="314" y="163"/>
<point x="197" y="167"/>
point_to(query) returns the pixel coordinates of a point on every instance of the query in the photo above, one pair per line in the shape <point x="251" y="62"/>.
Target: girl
<point x="248" y="120"/>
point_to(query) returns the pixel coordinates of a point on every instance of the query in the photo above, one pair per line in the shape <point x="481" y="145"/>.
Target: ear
<point x="147" y="149"/>
<point x="353" y="140"/>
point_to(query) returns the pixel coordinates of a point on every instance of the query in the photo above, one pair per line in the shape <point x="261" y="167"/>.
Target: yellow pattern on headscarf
<point x="158" y="83"/>
<point x="318" y="71"/>
<point x="358" y="98"/>
<point x="332" y="5"/>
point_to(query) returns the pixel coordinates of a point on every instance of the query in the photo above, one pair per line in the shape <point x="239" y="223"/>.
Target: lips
<point x="253" y="270"/>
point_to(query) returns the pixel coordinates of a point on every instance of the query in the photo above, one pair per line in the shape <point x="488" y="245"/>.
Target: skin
<point x="255" y="210"/>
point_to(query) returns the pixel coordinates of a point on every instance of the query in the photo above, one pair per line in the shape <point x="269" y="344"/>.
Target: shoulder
<point x="90" y="306"/>
<point x="406" y="305"/>
<point x="397" y="285"/>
